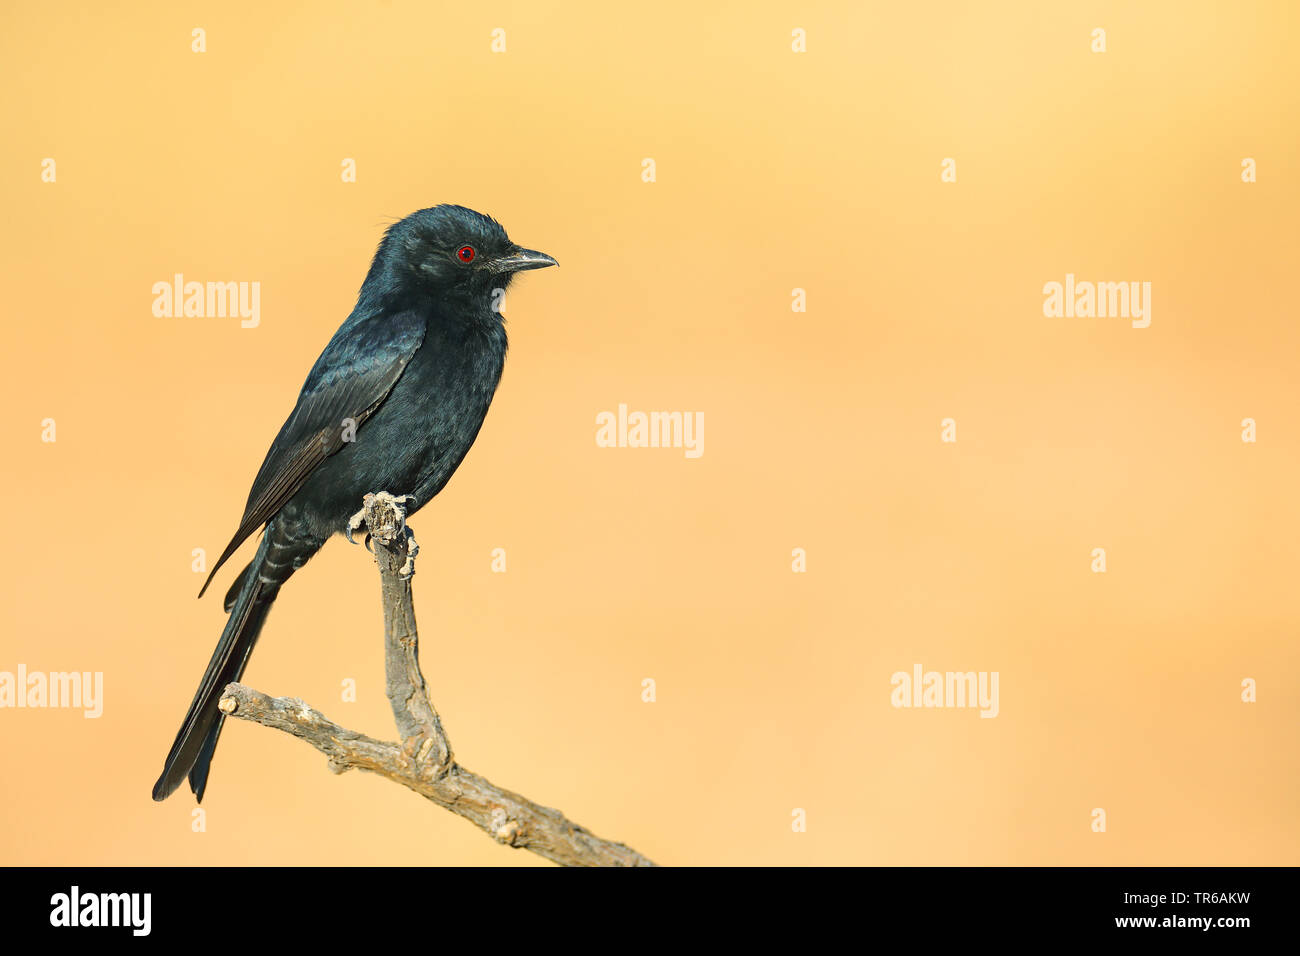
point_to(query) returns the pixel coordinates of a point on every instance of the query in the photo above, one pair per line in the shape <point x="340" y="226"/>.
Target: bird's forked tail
<point x="191" y="754"/>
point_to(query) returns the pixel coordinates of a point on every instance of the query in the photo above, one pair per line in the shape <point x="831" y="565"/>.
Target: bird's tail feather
<point x="191" y="754"/>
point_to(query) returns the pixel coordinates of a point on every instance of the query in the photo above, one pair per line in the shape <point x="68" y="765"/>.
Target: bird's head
<point x="451" y="251"/>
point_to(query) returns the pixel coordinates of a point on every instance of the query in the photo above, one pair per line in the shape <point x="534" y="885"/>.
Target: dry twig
<point x="423" y="759"/>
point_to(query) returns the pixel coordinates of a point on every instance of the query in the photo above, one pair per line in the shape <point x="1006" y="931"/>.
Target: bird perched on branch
<point x="393" y="404"/>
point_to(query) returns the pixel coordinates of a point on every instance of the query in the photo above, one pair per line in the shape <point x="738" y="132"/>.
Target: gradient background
<point x="775" y="171"/>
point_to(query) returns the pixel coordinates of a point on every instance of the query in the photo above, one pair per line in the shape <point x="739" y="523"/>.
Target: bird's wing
<point x="350" y="380"/>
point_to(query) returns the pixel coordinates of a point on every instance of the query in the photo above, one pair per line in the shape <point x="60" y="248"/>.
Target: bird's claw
<point x="384" y="516"/>
<point x="412" y="549"/>
<point x="354" y="524"/>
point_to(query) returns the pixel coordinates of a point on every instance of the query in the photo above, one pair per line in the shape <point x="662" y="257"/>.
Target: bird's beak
<point x="521" y="260"/>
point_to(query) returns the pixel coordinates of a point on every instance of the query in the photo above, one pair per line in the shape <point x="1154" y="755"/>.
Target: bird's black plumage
<point x="393" y="404"/>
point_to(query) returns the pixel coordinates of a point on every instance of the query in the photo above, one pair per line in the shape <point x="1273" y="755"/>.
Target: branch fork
<point x="423" y="760"/>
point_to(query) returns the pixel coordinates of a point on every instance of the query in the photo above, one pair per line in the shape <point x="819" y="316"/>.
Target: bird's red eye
<point x="465" y="253"/>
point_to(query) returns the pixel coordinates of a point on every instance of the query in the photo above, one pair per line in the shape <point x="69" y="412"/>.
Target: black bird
<point x="393" y="404"/>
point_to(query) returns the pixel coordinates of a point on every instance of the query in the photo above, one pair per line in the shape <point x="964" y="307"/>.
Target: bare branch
<point x="423" y="759"/>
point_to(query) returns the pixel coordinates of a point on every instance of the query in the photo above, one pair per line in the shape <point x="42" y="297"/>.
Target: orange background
<point x="775" y="170"/>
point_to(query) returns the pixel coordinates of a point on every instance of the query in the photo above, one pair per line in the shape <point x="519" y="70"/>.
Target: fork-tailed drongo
<point x="392" y="404"/>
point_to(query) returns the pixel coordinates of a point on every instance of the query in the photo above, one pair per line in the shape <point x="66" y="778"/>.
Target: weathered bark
<point x="422" y="760"/>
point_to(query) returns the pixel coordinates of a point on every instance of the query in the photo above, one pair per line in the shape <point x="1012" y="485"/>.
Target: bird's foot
<point x="384" y="516"/>
<point x="354" y="524"/>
